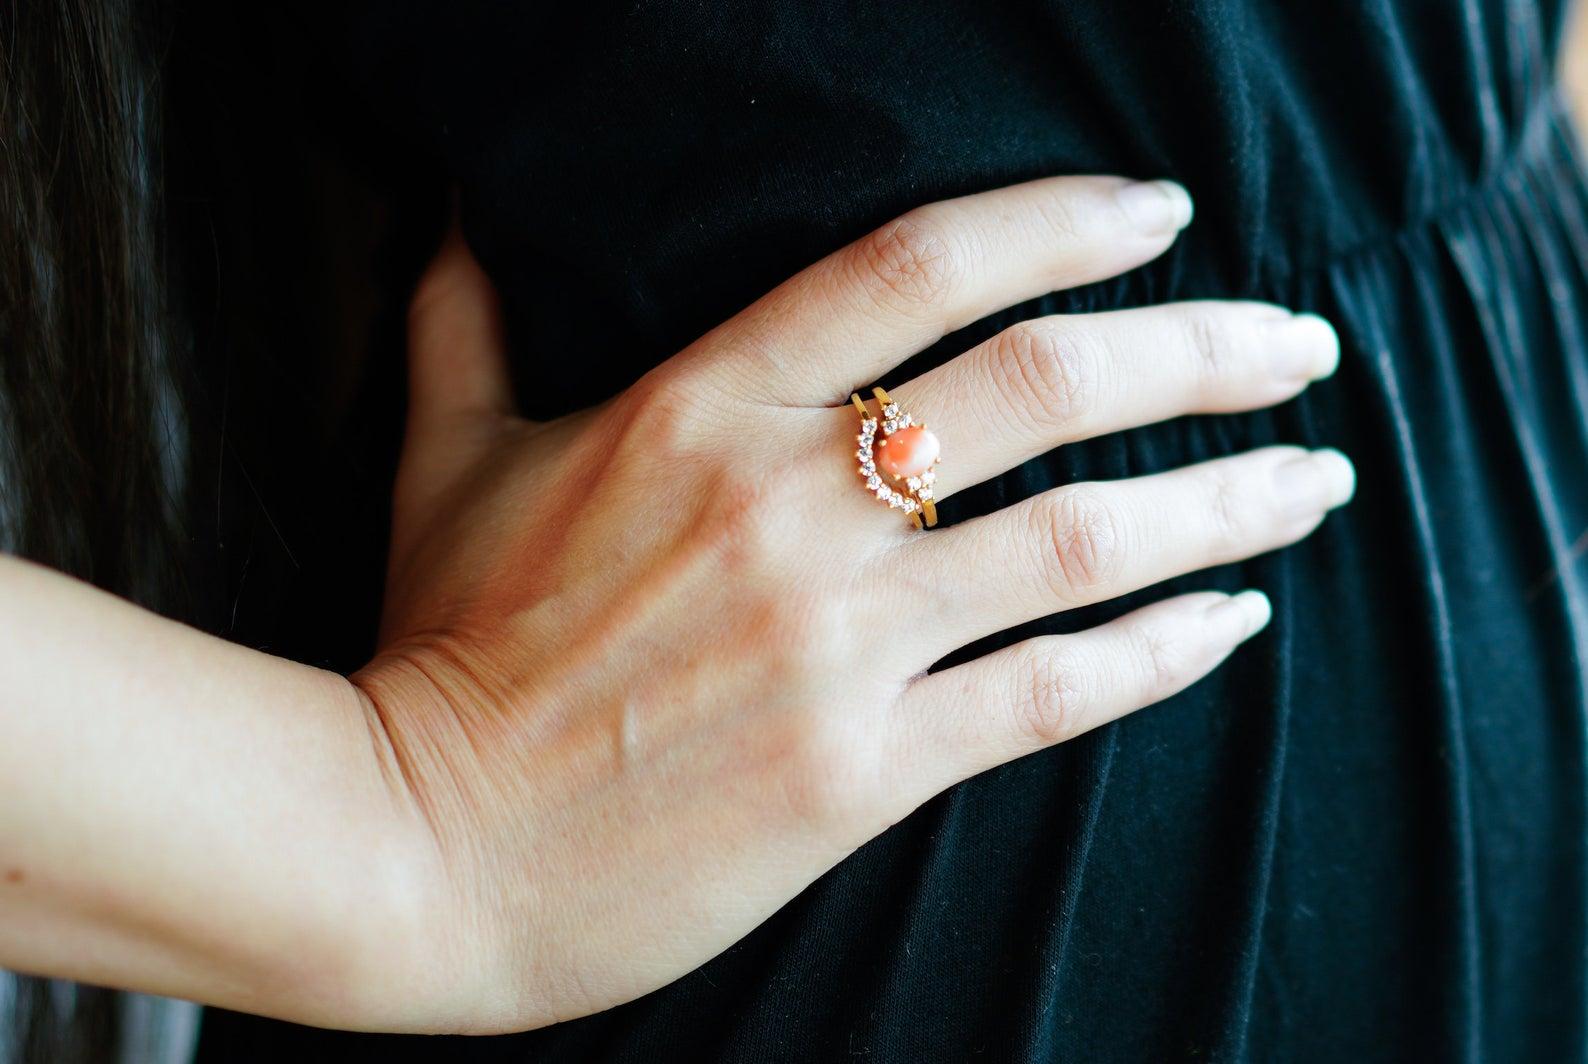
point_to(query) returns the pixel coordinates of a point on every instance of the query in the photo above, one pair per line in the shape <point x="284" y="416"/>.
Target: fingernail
<point x="1303" y="348"/>
<point x="1156" y="207"/>
<point x="1315" y="482"/>
<point x="1253" y="606"/>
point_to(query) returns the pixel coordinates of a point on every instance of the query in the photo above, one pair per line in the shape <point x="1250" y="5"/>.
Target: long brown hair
<point x="92" y="442"/>
<point x="206" y="244"/>
<point x="92" y="438"/>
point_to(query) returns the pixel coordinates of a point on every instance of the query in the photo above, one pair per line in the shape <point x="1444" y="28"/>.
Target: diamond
<point x="869" y="425"/>
<point x="906" y="421"/>
<point x="890" y="426"/>
<point x="891" y="410"/>
<point x="872" y="481"/>
<point x="925" y="493"/>
<point x="913" y="482"/>
<point x="928" y="477"/>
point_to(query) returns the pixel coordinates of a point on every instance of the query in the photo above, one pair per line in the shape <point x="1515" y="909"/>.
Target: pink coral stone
<point x="909" y="452"/>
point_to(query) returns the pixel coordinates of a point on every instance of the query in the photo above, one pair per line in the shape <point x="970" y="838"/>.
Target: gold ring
<point x="904" y="456"/>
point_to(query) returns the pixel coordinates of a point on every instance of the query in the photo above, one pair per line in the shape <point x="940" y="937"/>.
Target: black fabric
<point x="1363" y="838"/>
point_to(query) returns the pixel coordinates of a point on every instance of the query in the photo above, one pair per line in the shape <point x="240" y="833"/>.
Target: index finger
<point x="867" y="307"/>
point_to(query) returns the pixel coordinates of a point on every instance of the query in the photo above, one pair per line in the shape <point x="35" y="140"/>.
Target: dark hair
<point x="204" y="237"/>
<point x="92" y="442"/>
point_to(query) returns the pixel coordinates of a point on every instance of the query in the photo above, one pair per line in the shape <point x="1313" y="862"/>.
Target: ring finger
<point x="1054" y="380"/>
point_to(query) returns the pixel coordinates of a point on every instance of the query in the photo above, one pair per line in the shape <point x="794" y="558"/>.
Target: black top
<point x="1363" y="839"/>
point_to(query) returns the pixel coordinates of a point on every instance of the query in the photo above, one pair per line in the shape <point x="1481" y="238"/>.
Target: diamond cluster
<point x="868" y="463"/>
<point x="920" y="488"/>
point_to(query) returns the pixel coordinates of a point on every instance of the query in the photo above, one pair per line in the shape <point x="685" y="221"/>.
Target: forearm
<point x="184" y="816"/>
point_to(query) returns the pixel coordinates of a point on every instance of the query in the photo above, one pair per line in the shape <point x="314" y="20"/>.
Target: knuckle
<point x="1046" y="373"/>
<point x="816" y="628"/>
<point x="829" y="772"/>
<point x="1051" y="703"/>
<point x="661" y="418"/>
<point x="908" y="263"/>
<point x="737" y="526"/>
<point x="1065" y="216"/>
<point x="1229" y="511"/>
<point x="804" y="634"/>
<point x="1168" y="660"/>
<point x="1081" y="540"/>
<point x="810" y="792"/>
<point x="820" y="763"/>
<point x="829" y="766"/>
<point x="1207" y="341"/>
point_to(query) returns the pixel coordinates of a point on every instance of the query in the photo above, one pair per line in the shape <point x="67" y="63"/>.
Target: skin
<point x="648" y="670"/>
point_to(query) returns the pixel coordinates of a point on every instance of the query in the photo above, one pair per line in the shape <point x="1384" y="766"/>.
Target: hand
<point x="649" y="670"/>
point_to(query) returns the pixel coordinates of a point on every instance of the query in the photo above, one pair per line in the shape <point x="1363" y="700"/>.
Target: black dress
<point x="1363" y="838"/>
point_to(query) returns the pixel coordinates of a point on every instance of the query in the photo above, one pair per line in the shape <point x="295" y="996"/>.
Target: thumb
<point x="457" y="346"/>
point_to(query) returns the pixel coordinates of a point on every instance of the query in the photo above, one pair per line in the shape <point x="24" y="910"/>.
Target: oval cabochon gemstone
<point x="909" y="452"/>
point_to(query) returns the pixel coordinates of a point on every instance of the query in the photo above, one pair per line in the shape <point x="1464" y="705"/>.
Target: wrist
<point x="428" y="954"/>
<point x="389" y="953"/>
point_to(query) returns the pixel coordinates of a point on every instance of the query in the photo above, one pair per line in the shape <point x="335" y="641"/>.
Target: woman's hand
<point x="649" y="670"/>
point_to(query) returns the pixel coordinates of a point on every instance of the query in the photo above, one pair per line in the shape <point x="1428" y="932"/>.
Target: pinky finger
<point x="1050" y="689"/>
